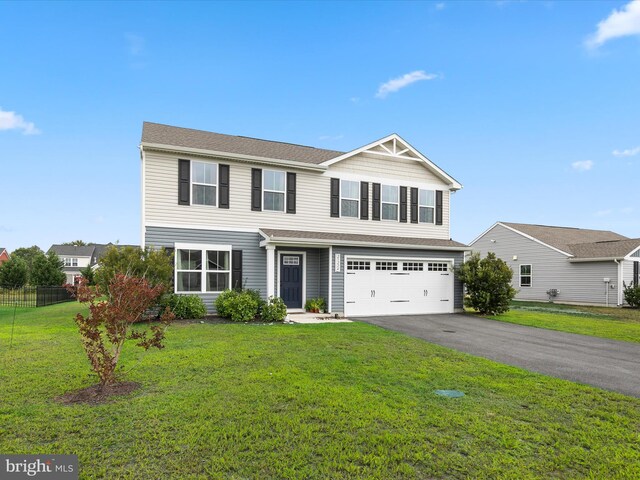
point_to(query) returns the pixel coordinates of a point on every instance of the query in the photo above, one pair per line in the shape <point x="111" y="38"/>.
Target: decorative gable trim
<point x="393" y="146"/>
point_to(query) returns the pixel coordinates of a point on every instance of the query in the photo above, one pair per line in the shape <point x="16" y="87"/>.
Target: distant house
<point x="75" y="258"/>
<point x="570" y="265"/>
<point x="4" y="255"/>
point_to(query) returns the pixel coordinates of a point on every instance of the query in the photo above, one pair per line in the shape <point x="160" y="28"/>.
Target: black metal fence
<point x="34" y="296"/>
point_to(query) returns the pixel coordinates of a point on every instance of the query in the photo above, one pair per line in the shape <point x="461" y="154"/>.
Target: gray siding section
<point x="576" y="282"/>
<point x="254" y="258"/>
<point x="323" y="270"/>
<point x="337" y="278"/>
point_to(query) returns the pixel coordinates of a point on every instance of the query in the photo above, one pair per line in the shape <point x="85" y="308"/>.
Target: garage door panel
<point x="398" y="286"/>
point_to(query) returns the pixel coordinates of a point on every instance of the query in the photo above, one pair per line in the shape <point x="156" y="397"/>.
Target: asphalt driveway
<point x="608" y="364"/>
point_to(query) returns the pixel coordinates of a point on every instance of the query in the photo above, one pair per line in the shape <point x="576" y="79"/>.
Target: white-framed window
<point x="413" y="266"/>
<point x="70" y="262"/>
<point x="390" y="200"/>
<point x="437" y="267"/>
<point x="204" y="183"/>
<point x="426" y="206"/>
<point x="358" y="265"/>
<point x="273" y="190"/>
<point x="349" y="198"/>
<point x="202" y="268"/>
<point x="386" y="265"/>
<point x="525" y="275"/>
<point x="290" y="260"/>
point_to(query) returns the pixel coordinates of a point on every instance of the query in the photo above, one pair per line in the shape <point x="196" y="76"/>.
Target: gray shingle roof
<point x="357" y="238"/>
<point x="563" y="238"/>
<point x="607" y="249"/>
<point x="72" y="250"/>
<point x="185" y="137"/>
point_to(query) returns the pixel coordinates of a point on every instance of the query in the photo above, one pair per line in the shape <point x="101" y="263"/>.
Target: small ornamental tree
<point x="488" y="284"/>
<point x="88" y="274"/>
<point x="13" y="273"/>
<point x="109" y="323"/>
<point x="631" y="294"/>
<point x="47" y="270"/>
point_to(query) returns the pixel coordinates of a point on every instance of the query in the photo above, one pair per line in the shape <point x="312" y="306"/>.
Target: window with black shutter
<point x="184" y="182"/>
<point x="364" y="200"/>
<point x="403" y="204"/>
<point x="375" y="214"/>
<point x="223" y="190"/>
<point x="236" y="269"/>
<point x="291" y="192"/>
<point x="438" y="207"/>
<point x="256" y="189"/>
<point x="335" y="197"/>
<point x="414" y="205"/>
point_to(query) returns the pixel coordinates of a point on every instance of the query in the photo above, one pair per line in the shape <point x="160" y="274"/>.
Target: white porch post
<point x="271" y="270"/>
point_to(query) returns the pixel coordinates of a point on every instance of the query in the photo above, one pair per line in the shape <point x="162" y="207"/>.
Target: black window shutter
<point x="223" y="186"/>
<point x="335" y="197"/>
<point x="414" y="205"/>
<point x="636" y="274"/>
<point x="438" y="207"/>
<point x="236" y="269"/>
<point x="291" y="192"/>
<point x="364" y="200"/>
<point x="403" y="204"/>
<point x="256" y="189"/>
<point x="375" y="215"/>
<point x="184" y="179"/>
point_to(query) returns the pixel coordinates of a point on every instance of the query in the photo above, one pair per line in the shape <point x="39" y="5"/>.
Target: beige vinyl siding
<point x="576" y="282"/>
<point x="312" y="203"/>
<point x="387" y="167"/>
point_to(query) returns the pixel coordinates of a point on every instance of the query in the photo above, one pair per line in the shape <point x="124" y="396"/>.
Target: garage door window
<point x="358" y="265"/>
<point x="386" y="265"/>
<point x="437" y="267"/>
<point x="413" y="266"/>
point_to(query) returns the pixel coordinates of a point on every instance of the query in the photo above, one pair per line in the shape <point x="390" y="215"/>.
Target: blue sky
<point x="532" y="106"/>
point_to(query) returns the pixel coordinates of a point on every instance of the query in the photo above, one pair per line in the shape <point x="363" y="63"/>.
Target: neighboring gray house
<point x="75" y="258"/>
<point x="568" y="265"/>
<point x="368" y="230"/>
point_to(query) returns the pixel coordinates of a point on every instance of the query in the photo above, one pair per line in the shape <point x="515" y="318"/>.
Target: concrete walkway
<point x="609" y="364"/>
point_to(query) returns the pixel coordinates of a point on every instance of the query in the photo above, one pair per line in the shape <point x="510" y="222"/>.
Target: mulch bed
<point x="97" y="394"/>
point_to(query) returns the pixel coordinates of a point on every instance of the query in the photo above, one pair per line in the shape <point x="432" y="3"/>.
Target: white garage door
<point x="397" y="286"/>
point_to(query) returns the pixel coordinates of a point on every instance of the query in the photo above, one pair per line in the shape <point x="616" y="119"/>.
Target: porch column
<point x="271" y="270"/>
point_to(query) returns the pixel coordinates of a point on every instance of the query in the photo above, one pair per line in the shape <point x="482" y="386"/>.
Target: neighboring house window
<point x="389" y="202"/>
<point x="203" y="269"/>
<point x="204" y="183"/>
<point x="426" y="206"/>
<point x="273" y="190"/>
<point x="525" y="275"/>
<point x="349" y="198"/>
<point x="70" y="262"/>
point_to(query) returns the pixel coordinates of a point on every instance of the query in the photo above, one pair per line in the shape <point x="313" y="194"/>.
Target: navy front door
<point x="291" y="280"/>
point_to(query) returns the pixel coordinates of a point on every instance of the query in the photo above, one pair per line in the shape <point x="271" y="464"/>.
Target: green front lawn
<point x="606" y="322"/>
<point x="305" y="401"/>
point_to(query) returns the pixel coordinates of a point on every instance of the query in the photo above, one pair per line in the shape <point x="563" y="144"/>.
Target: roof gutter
<point x="596" y="259"/>
<point x="231" y="156"/>
<point x="287" y="241"/>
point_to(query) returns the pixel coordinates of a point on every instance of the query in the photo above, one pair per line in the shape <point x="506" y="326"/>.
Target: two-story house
<point x="4" y="255"/>
<point x="77" y="257"/>
<point x="368" y="230"/>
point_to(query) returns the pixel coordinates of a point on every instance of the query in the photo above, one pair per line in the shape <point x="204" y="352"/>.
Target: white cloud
<point x="620" y="23"/>
<point x="629" y="152"/>
<point x="405" y="80"/>
<point x="603" y="213"/>
<point x="582" y="165"/>
<point x="440" y="6"/>
<point x="135" y="44"/>
<point x="13" y="121"/>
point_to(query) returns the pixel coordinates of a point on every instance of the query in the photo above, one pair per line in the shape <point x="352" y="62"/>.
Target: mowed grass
<point x="606" y="322"/>
<point x="305" y="401"/>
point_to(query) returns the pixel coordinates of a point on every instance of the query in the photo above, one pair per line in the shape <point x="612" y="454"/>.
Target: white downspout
<point x="620" y="279"/>
<point x="143" y="204"/>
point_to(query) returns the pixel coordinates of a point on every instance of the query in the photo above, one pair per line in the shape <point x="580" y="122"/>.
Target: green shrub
<point x="274" y="310"/>
<point x="488" y="284"/>
<point x="315" y="305"/>
<point x="239" y="306"/>
<point x="256" y="295"/>
<point x="632" y="295"/>
<point x="185" y="306"/>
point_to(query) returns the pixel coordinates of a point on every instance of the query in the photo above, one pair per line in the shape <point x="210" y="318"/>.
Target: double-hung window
<point x="426" y="206"/>
<point x="273" y="190"/>
<point x="349" y="198"/>
<point x="204" y="268"/>
<point x="525" y="275"/>
<point x="204" y="183"/>
<point x="390" y="202"/>
<point x="70" y="262"/>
